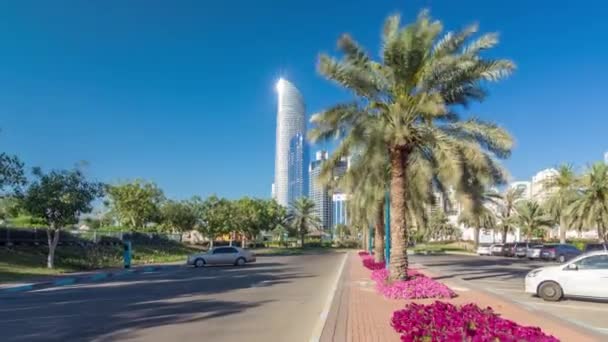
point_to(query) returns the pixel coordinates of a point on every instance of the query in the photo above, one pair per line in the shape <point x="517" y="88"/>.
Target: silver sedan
<point x="222" y="256"/>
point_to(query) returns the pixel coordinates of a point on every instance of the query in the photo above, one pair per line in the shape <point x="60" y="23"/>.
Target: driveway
<point x="277" y="298"/>
<point x="505" y="277"/>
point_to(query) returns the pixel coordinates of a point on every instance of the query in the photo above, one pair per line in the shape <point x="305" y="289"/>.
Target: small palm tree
<point x="591" y="208"/>
<point x="564" y="186"/>
<point x="303" y="217"/>
<point x="478" y="218"/>
<point x="506" y="210"/>
<point x="531" y="219"/>
<point x="406" y="101"/>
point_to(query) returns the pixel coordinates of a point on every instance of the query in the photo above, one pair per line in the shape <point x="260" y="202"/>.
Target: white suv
<point x="585" y="276"/>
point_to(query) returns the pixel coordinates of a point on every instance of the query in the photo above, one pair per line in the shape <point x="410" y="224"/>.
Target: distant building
<point x="318" y="193"/>
<point x="538" y="188"/>
<point x="297" y="168"/>
<point x="525" y="188"/>
<point x="339" y="216"/>
<point x="606" y="157"/>
<point x="291" y="121"/>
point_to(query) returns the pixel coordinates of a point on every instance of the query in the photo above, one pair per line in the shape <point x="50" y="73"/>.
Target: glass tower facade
<point x="290" y="123"/>
<point x="297" y="174"/>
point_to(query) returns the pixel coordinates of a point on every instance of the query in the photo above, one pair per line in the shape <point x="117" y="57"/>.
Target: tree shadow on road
<point x="119" y="308"/>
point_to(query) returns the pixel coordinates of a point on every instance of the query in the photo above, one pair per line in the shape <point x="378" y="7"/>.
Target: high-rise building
<point x="297" y="174"/>
<point x="321" y="195"/>
<point x="523" y="186"/>
<point x="318" y="192"/>
<point x="539" y="190"/>
<point x="290" y="122"/>
<point x="606" y="157"/>
<point x="339" y="213"/>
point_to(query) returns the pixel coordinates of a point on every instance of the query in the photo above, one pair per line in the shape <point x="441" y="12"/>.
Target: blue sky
<point x="181" y="92"/>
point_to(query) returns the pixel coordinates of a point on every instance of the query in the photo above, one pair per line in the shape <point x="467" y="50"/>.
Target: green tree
<point x="479" y="218"/>
<point x="563" y="190"/>
<point x="59" y="197"/>
<point x="408" y="99"/>
<point x="11" y="172"/>
<point x="532" y="219"/>
<point x="591" y="206"/>
<point x="216" y="216"/>
<point x="303" y="218"/>
<point x="440" y="228"/>
<point x="178" y="215"/>
<point x="343" y="231"/>
<point x="506" y="210"/>
<point x="135" y="204"/>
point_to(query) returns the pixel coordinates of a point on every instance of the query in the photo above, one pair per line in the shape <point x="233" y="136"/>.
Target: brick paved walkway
<point x="360" y="314"/>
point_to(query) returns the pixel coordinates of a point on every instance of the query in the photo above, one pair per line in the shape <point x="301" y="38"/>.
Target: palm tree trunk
<point x="364" y="241"/>
<point x="398" y="258"/>
<point x="476" y="230"/>
<point x="562" y="228"/>
<point x="505" y="231"/>
<point x="379" y="238"/>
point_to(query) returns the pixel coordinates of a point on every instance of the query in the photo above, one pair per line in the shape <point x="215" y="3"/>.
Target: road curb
<point x="92" y="277"/>
<point x="318" y="329"/>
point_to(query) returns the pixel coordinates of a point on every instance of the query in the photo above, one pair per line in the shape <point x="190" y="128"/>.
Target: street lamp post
<point x="387" y="229"/>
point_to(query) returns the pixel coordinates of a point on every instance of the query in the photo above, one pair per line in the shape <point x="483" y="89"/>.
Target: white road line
<point x="318" y="329"/>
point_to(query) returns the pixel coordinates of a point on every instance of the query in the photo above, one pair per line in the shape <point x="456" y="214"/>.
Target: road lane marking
<point x="318" y="329"/>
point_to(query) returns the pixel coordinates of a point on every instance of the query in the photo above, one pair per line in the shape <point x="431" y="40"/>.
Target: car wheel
<point x="550" y="291"/>
<point x="199" y="263"/>
<point x="562" y="259"/>
<point x="240" y="262"/>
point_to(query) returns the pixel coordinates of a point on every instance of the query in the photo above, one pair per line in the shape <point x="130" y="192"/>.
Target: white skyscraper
<point x="291" y="121"/>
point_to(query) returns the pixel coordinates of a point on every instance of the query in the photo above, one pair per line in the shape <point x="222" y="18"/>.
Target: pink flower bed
<point x="446" y="322"/>
<point x="418" y="286"/>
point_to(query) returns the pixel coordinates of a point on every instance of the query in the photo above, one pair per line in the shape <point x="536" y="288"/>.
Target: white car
<point x="585" y="276"/>
<point x="484" y="249"/>
<point x="222" y="256"/>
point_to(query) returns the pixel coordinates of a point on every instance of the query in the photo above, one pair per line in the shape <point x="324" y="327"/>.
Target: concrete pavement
<point x="504" y="277"/>
<point x="277" y="298"/>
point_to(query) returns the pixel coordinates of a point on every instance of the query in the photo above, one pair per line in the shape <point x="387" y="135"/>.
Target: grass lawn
<point x="295" y="250"/>
<point x="22" y="262"/>
<point x="449" y="247"/>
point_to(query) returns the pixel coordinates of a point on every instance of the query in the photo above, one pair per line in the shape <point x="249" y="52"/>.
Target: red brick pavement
<point x="360" y="314"/>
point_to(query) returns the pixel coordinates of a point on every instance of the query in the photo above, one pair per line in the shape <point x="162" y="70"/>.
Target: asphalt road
<point x="505" y="277"/>
<point x="275" y="299"/>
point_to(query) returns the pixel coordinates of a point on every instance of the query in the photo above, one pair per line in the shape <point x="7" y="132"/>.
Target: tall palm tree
<point x="406" y="99"/>
<point x="531" y="219"/>
<point x="303" y="217"/>
<point x="591" y="208"/>
<point x="506" y="210"/>
<point x="564" y="192"/>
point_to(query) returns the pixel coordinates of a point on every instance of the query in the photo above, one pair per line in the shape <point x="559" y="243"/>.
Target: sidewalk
<point x="359" y="313"/>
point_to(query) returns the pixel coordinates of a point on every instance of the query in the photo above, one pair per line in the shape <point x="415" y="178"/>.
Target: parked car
<point x="222" y="256"/>
<point x="484" y="249"/>
<point x="590" y="247"/>
<point x="509" y="249"/>
<point x="497" y="249"/>
<point x="559" y="252"/>
<point x="521" y="249"/>
<point x="584" y="276"/>
<point x="533" y="251"/>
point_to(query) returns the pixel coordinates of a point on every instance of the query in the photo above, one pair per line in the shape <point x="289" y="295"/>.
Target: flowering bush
<point x="371" y="264"/>
<point x="446" y="322"/>
<point x="418" y="286"/>
<point x="363" y="253"/>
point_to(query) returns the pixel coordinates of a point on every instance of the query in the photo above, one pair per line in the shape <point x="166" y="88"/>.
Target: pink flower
<point x="445" y="322"/>
<point x="417" y="286"/>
